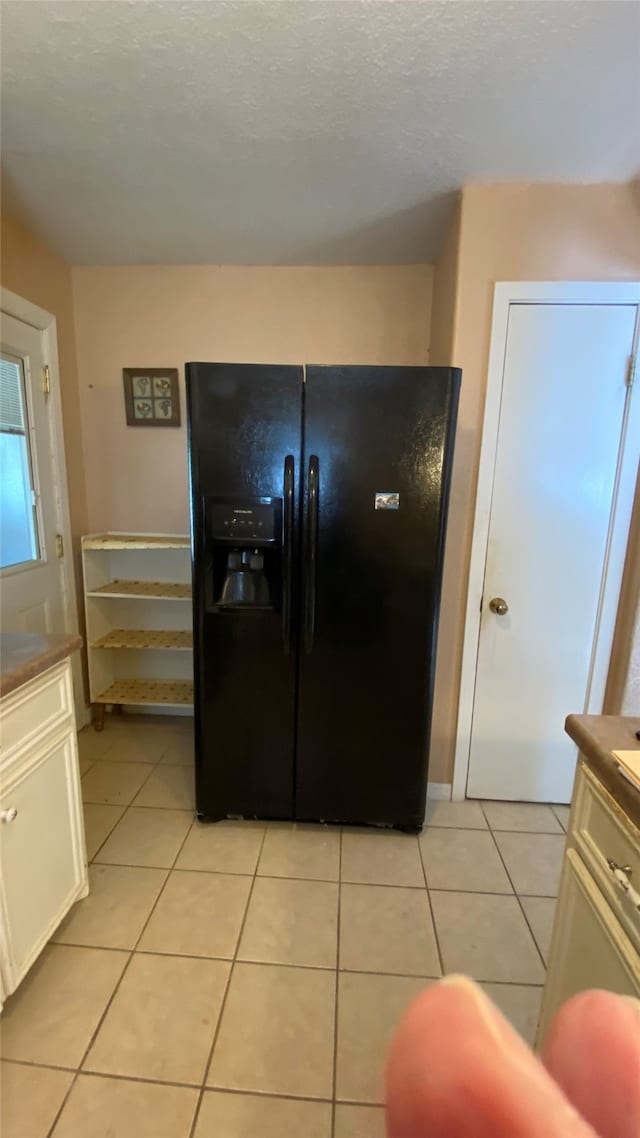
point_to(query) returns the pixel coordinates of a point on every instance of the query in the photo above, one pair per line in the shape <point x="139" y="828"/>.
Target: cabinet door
<point x="588" y="948"/>
<point x="42" y="852"/>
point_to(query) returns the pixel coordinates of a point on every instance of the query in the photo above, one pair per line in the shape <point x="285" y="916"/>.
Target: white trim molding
<point x="13" y="305"/>
<point x="507" y="293"/>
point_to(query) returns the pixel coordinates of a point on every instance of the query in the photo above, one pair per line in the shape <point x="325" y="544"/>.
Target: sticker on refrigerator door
<point x="387" y="500"/>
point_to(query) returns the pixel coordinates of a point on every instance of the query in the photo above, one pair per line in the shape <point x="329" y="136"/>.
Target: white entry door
<point x="32" y="583"/>
<point x="563" y="418"/>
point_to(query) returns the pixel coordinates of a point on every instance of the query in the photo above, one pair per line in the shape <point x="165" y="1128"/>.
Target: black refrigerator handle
<point x="287" y="552"/>
<point x="312" y="553"/>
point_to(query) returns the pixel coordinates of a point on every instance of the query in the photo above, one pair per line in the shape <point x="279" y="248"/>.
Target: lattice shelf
<point x="134" y="541"/>
<point x="177" y="693"/>
<point x="165" y="590"/>
<point x="145" y="638"/>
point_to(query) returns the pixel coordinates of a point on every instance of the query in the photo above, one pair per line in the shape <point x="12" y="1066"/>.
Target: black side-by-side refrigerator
<point x="319" y="505"/>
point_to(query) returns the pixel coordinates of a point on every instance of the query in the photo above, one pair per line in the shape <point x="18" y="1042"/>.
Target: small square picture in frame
<point x="151" y="396"/>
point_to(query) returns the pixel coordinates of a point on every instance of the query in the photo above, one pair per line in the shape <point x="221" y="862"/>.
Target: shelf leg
<point x="98" y="717"/>
<point x="116" y="709"/>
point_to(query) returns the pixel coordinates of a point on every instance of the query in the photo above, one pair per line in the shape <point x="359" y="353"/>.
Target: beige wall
<point x="162" y="316"/>
<point x="511" y="232"/>
<point x="445" y="291"/>
<point x="33" y="271"/>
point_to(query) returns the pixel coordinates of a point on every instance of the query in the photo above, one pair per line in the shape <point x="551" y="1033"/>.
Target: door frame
<point x="544" y="292"/>
<point x="45" y="322"/>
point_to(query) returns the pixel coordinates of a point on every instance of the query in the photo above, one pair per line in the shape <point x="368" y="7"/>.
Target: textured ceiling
<point x="316" y="131"/>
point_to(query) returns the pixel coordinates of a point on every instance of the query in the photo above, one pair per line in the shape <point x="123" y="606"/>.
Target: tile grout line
<point x="131" y="763"/>
<point x="223" y="1002"/>
<point x="154" y="768"/>
<point x="431" y="912"/>
<point x="274" y="964"/>
<point x="78" y="1069"/>
<point x="336" y="991"/>
<point x="192" y="1086"/>
<point x="497" y="829"/>
<point x="126" y="805"/>
<point x="69" y="1071"/>
<point x="125" y="811"/>
<point x="102" y="1018"/>
<point x="98" y="1074"/>
<point x="168" y="872"/>
<point x="121" y="735"/>
<point x="90" y="862"/>
<point x="319" y="880"/>
<point x="567" y="806"/>
<point x="106" y="839"/>
<point x="517" y="896"/>
<point x="91" y="763"/>
<point x="139" y="806"/>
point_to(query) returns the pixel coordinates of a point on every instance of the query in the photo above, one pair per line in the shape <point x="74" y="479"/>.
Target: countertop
<point x="25" y="655"/>
<point x="597" y="736"/>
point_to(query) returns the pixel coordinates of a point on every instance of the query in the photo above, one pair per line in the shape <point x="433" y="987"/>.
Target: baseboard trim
<point x="439" y="791"/>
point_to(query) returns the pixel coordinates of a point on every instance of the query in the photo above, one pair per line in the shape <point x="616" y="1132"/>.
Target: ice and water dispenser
<point x="244" y="542"/>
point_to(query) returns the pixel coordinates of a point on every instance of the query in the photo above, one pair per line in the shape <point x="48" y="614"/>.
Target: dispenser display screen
<point x="242" y="521"/>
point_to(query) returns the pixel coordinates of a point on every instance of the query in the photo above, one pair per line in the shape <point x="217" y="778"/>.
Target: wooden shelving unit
<point x="138" y="611"/>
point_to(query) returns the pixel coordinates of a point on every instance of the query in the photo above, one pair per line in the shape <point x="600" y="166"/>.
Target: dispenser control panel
<point x="249" y="522"/>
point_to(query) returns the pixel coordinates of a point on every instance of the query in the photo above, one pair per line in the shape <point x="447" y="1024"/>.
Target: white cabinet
<point x="138" y="611"/>
<point x="596" y="933"/>
<point x="42" y="848"/>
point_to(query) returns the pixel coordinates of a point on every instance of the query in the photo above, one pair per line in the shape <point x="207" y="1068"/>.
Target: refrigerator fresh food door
<point x="377" y="463"/>
<point x="244" y="445"/>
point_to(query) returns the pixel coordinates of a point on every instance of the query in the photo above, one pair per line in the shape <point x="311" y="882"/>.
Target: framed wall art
<point x="151" y="396"/>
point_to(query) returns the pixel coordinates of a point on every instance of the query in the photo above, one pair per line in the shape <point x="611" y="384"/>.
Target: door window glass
<point x="18" y="521"/>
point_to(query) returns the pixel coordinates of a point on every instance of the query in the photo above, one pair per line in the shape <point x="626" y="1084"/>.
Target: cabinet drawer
<point x="600" y="832"/>
<point x="35" y="709"/>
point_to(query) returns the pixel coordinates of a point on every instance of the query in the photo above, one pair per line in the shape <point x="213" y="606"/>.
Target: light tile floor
<point x="244" y="979"/>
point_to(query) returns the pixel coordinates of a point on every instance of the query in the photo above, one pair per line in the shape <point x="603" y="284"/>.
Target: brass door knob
<point x="499" y="606"/>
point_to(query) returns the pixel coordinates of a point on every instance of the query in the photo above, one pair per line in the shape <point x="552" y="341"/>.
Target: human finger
<point x="592" y="1050"/>
<point x="457" y="1069"/>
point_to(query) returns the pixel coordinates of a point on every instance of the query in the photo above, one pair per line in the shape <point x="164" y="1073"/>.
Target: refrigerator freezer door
<point x="244" y="440"/>
<point x="383" y="441"/>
